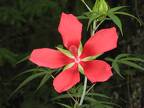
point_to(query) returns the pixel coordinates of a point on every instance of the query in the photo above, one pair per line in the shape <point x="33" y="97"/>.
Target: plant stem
<point x="86" y="5"/>
<point x="90" y="88"/>
<point x="72" y="97"/>
<point x="84" y="91"/>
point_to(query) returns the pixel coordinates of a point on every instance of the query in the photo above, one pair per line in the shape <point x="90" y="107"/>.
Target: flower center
<point x="77" y="59"/>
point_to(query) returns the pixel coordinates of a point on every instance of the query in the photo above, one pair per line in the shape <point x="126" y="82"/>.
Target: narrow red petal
<point x="50" y="58"/>
<point x="97" y="70"/>
<point x="102" y="41"/>
<point x="70" y="29"/>
<point x="66" y="79"/>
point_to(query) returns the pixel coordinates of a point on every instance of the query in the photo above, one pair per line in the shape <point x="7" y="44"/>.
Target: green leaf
<point x="109" y="59"/>
<point x="23" y="59"/>
<point x="117" y="69"/>
<point x="110" y="103"/>
<point x="8" y="56"/>
<point x="44" y="80"/>
<point x="134" y="65"/>
<point x="82" y="17"/>
<point x="30" y="71"/>
<point x="122" y="56"/>
<point x="133" y="59"/>
<point x="102" y="104"/>
<point x="116" y="20"/>
<point x="117" y="8"/>
<point x="98" y="95"/>
<point x="27" y="80"/>
<point x="99" y="24"/>
<point x="64" y="96"/>
<point x="64" y="105"/>
<point x="92" y="17"/>
<point x="65" y="52"/>
<point x="130" y="15"/>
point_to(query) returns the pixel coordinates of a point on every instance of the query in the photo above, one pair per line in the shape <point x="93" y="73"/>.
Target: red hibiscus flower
<point x="75" y="58"/>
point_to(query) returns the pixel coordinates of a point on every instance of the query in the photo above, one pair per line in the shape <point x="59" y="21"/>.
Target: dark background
<point x="30" y="24"/>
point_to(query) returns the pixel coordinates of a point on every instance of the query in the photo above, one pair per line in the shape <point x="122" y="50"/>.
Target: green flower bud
<point x="100" y="7"/>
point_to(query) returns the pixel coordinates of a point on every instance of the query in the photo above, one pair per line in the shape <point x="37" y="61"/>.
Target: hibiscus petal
<point x="102" y="41"/>
<point x="70" y="29"/>
<point x="49" y="58"/>
<point x="66" y="79"/>
<point x="97" y="70"/>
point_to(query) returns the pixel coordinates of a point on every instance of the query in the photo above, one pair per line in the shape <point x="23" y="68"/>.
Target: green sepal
<point x="68" y="66"/>
<point x="91" y="58"/>
<point x="80" y="49"/>
<point x="65" y="52"/>
<point x="80" y="68"/>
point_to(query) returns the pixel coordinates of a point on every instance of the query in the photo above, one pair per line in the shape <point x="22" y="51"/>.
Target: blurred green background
<point x="30" y="24"/>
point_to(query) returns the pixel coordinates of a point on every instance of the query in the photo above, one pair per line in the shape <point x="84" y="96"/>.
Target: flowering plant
<point x="77" y="59"/>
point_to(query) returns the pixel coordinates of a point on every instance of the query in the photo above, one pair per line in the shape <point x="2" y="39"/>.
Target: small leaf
<point x="44" y="80"/>
<point x="64" y="96"/>
<point x="134" y="65"/>
<point x="22" y="60"/>
<point x="130" y="15"/>
<point x="116" y="20"/>
<point x="98" y="95"/>
<point x="82" y="17"/>
<point x="109" y="59"/>
<point x="30" y="71"/>
<point x="117" y="69"/>
<point x="122" y="56"/>
<point x="27" y="80"/>
<point x="92" y="17"/>
<point x="64" y="105"/>
<point x="117" y="8"/>
<point x="133" y="59"/>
